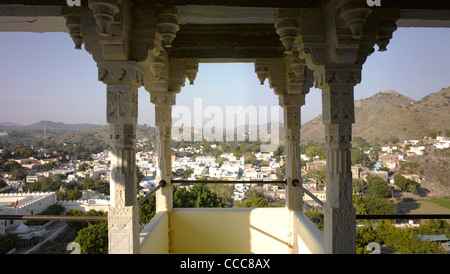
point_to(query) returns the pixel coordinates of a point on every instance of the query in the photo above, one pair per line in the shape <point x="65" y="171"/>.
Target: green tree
<point x="359" y="157"/>
<point x="93" y="239"/>
<point x="18" y="174"/>
<point x="102" y="187"/>
<point x="188" y="172"/>
<point x="433" y="134"/>
<point x="224" y="192"/>
<point x="377" y="205"/>
<point x="8" y="242"/>
<point x="88" y="183"/>
<point x="249" y="158"/>
<point x="317" y="174"/>
<point x="358" y="185"/>
<point x="147" y="210"/>
<point x="12" y="165"/>
<point x="377" y="187"/>
<point x="316" y="217"/>
<point x="74" y="194"/>
<point x="406" y="184"/>
<point x="254" y="202"/>
<point x="312" y="152"/>
<point x="83" y="167"/>
<point x="360" y="206"/>
<point x="360" y="142"/>
<point x="205" y="198"/>
<point x="252" y="198"/>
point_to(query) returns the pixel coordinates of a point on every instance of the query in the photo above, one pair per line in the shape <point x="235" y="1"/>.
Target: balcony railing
<point x="162" y="183"/>
<point x="379" y="216"/>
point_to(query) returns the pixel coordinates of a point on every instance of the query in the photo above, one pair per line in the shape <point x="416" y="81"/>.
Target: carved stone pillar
<point x="123" y="80"/>
<point x="337" y="83"/>
<point x="291" y="104"/>
<point x="291" y="80"/>
<point x="163" y="121"/>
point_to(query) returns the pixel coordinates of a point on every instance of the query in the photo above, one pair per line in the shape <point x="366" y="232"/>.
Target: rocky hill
<point x="101" y="134"/>
<point x="389" y="115"/>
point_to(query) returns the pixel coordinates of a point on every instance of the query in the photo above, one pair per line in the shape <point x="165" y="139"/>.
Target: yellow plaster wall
<point x="230" y="230"/>
<point x="154" y="238"/>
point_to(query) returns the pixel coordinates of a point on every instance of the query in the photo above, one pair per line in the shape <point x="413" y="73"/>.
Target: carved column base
<point x="123" y="230"/>
<point x="340" y="230"/>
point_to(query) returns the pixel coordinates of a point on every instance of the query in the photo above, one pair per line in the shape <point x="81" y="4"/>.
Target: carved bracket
<point x="168" y="24"/>
<point x="286" y="25"/>
<point x="104" y="12"/>
<point x="355" y="13"/>
<point x="300" y="78"/>
<point x="386" y="28"/>
<point x="73" y="23"/>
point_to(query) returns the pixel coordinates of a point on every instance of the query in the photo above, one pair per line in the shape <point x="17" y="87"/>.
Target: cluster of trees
<point x="199" y="195"/>
<point x="316" y="151"/>
<point x="73" y="190"/>
<point x="237" y="148"/>
<point x="406" y="184"/>
<point x="79" y="150"/>
<point x="8" y="242"/>
<point x="92" y="236"/>
<point x="15" y="169"/>
<point x="252" y="198"/>
<point x="401" y="240"/>
<point x="398" y="240"/>
<point x="68" y="191"/>
<point x="374" y="201"/>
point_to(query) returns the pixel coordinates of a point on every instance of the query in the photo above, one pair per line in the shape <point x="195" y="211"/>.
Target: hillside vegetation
<point x="389" y="115"/>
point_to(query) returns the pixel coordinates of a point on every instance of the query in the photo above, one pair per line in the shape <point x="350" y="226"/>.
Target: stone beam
<point x="226" y="41"/>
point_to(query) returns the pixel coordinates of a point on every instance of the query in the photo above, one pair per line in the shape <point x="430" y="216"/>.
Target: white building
<point x="23" y="204"/>
<point x="416" y="150"/>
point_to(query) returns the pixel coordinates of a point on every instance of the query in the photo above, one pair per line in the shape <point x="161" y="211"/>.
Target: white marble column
<point x="123" y="80"/>
<point x="163" y="121"/>
<point x="337" y="83"/>
<point x="291" y="104"/>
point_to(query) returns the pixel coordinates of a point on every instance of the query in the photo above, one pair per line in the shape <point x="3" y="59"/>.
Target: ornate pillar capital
<point x="337" y="75"/>
<point x="163" y="98"/>
<point x="291" y="100"/>
<point x="286" y="76"/>
<point x="120" y="72"/>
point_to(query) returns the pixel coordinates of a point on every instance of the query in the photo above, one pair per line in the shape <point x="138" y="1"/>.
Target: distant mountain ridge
<point x="49" y="125"/>
<point x="391" y="115"/>
<point x="383" y="116"/>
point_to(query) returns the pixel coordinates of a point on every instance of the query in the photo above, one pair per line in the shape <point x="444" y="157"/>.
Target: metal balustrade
<point x="163" y="183"/>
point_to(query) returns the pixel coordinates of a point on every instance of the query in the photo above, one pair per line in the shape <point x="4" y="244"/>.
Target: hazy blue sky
<point x="42" y="77"/>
